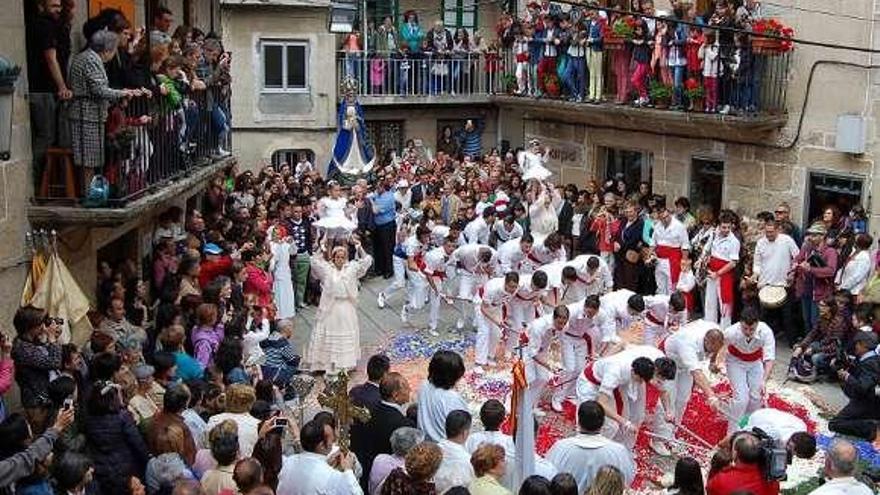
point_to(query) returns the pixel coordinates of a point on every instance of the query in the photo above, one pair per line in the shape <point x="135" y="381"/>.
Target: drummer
<point x="774" y="257"/>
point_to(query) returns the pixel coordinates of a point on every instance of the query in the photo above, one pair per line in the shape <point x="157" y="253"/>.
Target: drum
<point x="772" y="296"/>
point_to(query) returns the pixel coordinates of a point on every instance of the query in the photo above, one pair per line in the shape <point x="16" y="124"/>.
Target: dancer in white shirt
<point x="593" y="277"/>
<point x="477" y="230"/>
<point x="507" y="228"/>
<point x="671" y="244"/>
<point x="436" y="270"/>
<point x="455" y="468"/>
<point x="492" y="304"/>
<point x="527" y="303"/>
<point x="751" y="352"/>
<point x="720" y="279"/>
<point x="788" y="431"/>
<point x="541" y="333"/>
<point x="476" y="263"/>
<point x="589" y="336"/>
<point x="546" y="252"/>
<point x="619" y="381"/>
<point x="663" y="315"/>
<point x="416" y="281"/>
<point x="513" y="254"/>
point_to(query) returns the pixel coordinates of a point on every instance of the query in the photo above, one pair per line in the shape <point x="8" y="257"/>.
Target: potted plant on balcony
<point x="762" y="45"/>
<point x="661" y="94"/>
<point x="508" y="82"/>
<point x="552" y="86"/>
<point x="621" y="30"/>
<point x="694" y="92"/>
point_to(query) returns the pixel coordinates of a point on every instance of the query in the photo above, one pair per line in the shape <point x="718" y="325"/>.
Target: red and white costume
<point x="491" y="300"/>
<point x="612" y="376"/>
<point x="540" y="256"/>
<point x="436" y="266"/>
<point x="525" y="305"/>
<point x="670" y="242"/>
<point x="615" y="305"/>
<point x="512" y="258"/>
<point x="745" y="362"/>
<point x="415" y="278"/>
<point x="686" y="347"/>
<point x="582" y="343"/>
<point x="659" y="320"/>
<point x="719" y="291"/>
<point x="541" y="332"/>
<point x="600" y="282"/>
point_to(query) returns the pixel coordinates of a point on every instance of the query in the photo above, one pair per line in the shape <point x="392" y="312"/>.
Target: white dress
<point x="543" y="219"/>
<point x="333" y="218"/>
<point x="282" y="287"/>
<point x="531" y="165"/>
<point x="335" y="341"/>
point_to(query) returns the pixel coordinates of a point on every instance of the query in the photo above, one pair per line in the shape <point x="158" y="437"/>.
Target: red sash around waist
<point x="522" y="57"/>
<point x="725" y="282"/>
<point x="673" y="254"/>
<point x="662" y="344"/>
<point x="650" y="316"/>
<point x="591" y="377"/>
<point x="750" y="357"/>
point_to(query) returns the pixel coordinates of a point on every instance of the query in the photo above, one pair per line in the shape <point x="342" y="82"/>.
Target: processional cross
<point x="335" y="397"/>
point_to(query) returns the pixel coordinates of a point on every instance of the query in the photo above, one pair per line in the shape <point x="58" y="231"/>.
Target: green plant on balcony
<point x="661" y="94"/>
<point x="552" y="85"/>
<point x="508" y="83"/>
<point x="624" y="27"/>
<point x="695" y="93"/>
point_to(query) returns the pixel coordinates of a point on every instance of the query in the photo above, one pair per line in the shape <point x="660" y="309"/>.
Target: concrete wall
<point x="255" y="147"/>
<point x="15" y="174"/>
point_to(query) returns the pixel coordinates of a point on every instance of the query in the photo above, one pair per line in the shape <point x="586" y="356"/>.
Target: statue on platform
<point x="352" y="155"/>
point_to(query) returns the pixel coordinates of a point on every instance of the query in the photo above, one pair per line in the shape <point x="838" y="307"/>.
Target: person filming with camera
<point x="858" y="380"/>
<point x="747" y="473"/>
<point x="36" y="352"/>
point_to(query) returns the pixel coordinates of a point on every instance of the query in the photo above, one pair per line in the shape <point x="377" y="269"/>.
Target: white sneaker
<point x="556" y="404"/>
<point x="404" y="314"/>
<point x="478" y="370"/>
<point x="724" y="110"/>
<point x="434" y="332"/>
<point x="660" y="448"/>
<point x="222" y="153"/>
<point x="459" y="324"/>
<point x="381" y="300"/>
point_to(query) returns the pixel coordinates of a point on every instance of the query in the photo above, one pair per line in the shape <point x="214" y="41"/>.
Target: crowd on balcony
<point x="713" y="61"/>
<point x="187" y="384"/>
<point x="134" y="107"/>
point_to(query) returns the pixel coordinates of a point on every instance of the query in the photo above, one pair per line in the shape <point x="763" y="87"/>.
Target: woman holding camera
<point x="36" y="353"/>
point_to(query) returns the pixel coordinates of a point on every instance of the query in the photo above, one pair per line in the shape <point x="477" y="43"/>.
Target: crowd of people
<point x="682" y="58"/>
<point x="134" y="106"/>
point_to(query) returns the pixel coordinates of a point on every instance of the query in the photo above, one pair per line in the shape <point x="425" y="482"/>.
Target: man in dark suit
<point x="861" y="416"/>
<point x="367" y="394"/>
<point x="374" y="436"/>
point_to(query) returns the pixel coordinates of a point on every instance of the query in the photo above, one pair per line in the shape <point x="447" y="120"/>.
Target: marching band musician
<point x="435" y="271"/>
<point x="751" y="352"/>
<point x="492" y="302"/>
<point x="513" y="254"/>
<point x="541" y="332"/>
<point x="774" y="256"/>
<point x="671" y="244"/>
<point x="618" y="382"/>
<point x="526" y="303"/>
<point x="416" y="282"/>
<point x="720" y="278"/>
<point x="476" y="263"/>
<point x="589" y="335"/>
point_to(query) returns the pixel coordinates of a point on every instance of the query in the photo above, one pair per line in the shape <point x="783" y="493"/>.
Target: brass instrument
<point x="701" y="267"/>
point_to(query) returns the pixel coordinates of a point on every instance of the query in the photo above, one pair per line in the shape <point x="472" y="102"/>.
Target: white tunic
<point x="780" y="425"/>
<point x="434" y="405"/>
<point x="763" y="339"/>
<point x="615" y="371"/>
<point x="455" y="468"/>
<point x="599" y="282"/>
<point x="467" y="257"/>
<point x="436" y="262"/>
<point x="772" y="260"/>
<point x="675" y="235"/>
<point x="310" y="474"/>
<point x="855" y="273"/>
<point x="614" y="304"/>
<point x="476" y="232"/>
<point x="582" y="456"/>
<point x="842" y="486"/>
<point x="599" y="329"/>
<point x="687" y="347"/>
<point x="725" y="248"/>
<point x="511" y="256"/>
<point x="505" y="235"/>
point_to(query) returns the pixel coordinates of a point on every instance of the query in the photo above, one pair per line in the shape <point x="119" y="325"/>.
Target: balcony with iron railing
<point x="152" y="152"/>
<point x="725" y="90"/>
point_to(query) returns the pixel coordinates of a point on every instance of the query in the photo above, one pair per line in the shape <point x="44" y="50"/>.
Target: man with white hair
<point x="841" y="465"/>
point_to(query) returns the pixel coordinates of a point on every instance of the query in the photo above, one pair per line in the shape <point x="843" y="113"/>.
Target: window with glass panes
<point x="460" y="13"/>
<point x="285" y="66"/>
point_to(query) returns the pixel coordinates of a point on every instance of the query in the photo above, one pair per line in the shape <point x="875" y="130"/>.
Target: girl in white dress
<point x="543" y="216"/>
<point x="334" y="214"/>
<point x="334" y="344"/>
<point x="282" y="287"/>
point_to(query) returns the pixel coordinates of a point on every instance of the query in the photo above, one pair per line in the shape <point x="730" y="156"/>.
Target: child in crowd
<point x="686" y="283"/>
<point x="709" y="56"/>
<point x="641" y="57"/>
<point x="521" y="57"/>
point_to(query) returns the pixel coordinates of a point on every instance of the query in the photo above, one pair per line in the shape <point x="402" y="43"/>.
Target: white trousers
<point x="488" y="335"/>
<point x="399" y="280"/>
<point x="712" y="305"/>
<point x="537" y="377"/>
<point x="746" y="380"/>
<point x="574" y="358"/>
<point x="663" y="277"/>
<point x="435" y="300"/>
<point x="418" y="290"/>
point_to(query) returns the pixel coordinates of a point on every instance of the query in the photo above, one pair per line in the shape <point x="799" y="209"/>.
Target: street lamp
<point x="8" y="76"/>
